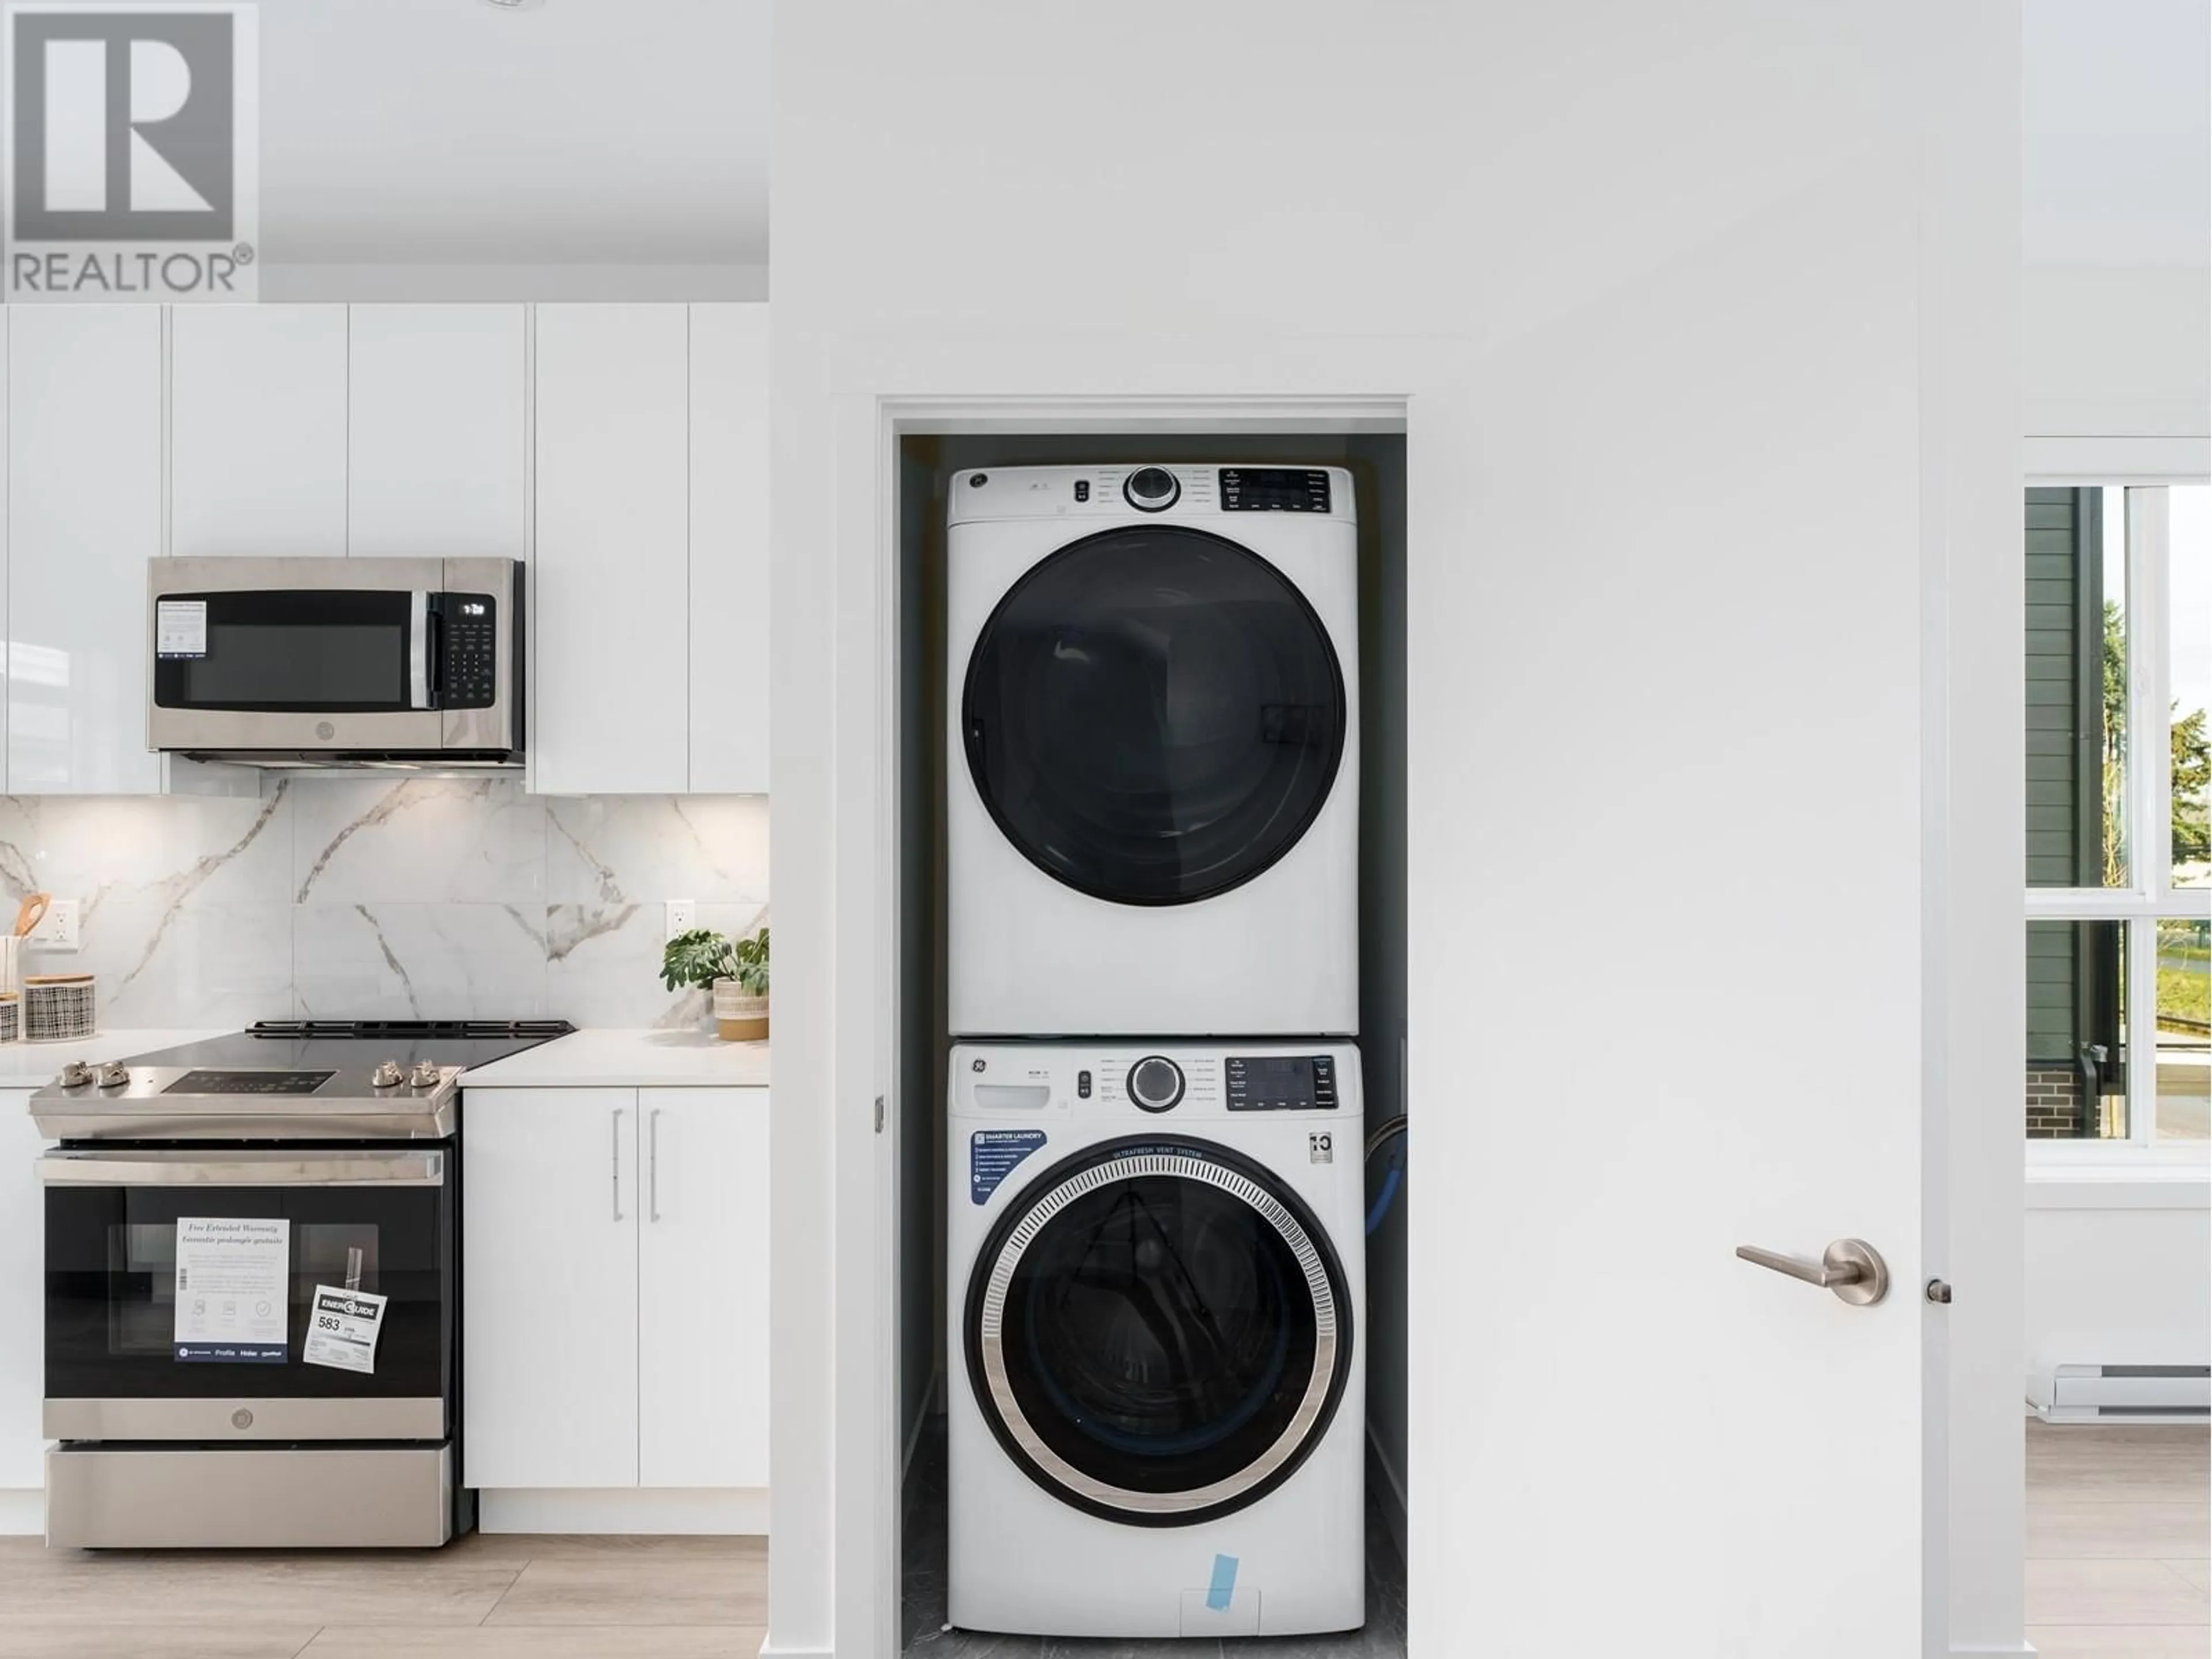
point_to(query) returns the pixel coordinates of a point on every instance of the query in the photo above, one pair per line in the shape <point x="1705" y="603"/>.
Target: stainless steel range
<point x="252" y="1282"/>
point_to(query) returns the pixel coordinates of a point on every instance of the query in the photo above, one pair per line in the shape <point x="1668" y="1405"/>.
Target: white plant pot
<point x="738" y="1017"/>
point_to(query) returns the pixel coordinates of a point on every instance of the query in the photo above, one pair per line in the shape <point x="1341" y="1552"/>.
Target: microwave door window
<point x="306" y="652"/>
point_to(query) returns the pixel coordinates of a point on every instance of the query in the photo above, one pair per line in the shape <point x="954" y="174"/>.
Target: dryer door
<point x="1158" y="1331"/>
<point x="1153" y="714"/>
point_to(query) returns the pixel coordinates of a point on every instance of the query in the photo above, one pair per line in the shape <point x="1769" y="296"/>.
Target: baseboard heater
<point x="2123" y="1394"/>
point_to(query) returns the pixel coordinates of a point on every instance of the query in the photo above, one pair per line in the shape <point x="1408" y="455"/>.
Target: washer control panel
<point x="1280" y="1082"/>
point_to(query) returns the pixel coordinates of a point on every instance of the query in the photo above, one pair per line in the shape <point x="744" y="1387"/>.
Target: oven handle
<point x="148" y="1168"/>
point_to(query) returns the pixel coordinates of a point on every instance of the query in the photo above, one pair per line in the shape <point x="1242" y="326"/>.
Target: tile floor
<point x="2117" y="1548"/>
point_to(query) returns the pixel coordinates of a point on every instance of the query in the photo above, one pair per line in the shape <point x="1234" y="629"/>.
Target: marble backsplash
<point x="340" y="897"/>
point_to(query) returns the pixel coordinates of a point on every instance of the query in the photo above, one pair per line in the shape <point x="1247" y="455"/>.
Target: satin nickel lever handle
<point x="1851" y="1267"/>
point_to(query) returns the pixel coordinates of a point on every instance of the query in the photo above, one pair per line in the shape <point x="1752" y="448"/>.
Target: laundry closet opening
<point x="1151" y="1246"/>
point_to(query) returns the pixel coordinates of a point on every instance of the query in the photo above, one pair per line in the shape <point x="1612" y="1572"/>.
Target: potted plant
<point x="735" y="970"/>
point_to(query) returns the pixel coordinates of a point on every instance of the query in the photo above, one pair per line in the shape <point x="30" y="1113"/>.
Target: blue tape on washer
<point x="1223" y="1589"/>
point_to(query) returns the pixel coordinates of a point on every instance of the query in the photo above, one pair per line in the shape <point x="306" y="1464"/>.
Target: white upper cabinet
<point x="84" y="515"/>
<point x="436" y="431"/>
<point x="729" y="548"/>
<point x="610" y="679"/>
<point x="258" y="430"/>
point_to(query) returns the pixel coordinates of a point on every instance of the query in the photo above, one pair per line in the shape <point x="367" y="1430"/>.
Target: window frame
<point x="2150" y="895"/>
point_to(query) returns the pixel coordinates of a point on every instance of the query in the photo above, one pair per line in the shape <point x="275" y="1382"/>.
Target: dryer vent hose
<point x="1391" y="1131"/>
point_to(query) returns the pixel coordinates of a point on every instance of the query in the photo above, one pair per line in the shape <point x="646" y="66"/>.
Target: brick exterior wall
<point x="2054" y="1103"/>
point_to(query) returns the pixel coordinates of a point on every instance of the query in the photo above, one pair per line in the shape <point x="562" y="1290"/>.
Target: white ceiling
<point x="2117" y="154"/>
<point x="629" y="132"/>
<point x="635" y="132"/>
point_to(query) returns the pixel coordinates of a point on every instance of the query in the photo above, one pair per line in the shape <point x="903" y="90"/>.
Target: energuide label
<point x="994" y="1154"/>
<point x="342" y="1327"/>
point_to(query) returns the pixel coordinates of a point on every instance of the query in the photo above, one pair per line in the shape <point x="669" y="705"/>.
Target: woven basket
<point x="58" y="1009"/>
<point x="738" y="1017"/>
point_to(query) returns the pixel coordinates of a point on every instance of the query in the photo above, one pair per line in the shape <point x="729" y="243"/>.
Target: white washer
<point x="1153" y="807"/>
<point x="1156" y="1256"/>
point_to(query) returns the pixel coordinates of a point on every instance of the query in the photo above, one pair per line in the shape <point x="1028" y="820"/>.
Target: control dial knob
<point x="424" y="1076"/>
<point x="385" y="1075"/>
<point x="75" y="1075"/>
<point x="114" y="1075"/>
<point x="1156" y="1083"/>
<point x="1151" y="490"/>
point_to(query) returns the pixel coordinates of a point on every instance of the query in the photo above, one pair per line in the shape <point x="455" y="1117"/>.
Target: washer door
<point x="1153" y="714"/>
<point x="1158" y="1331"/>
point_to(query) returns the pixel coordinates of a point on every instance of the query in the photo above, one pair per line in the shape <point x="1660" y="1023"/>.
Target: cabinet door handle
<point x="617" y="1162"/>
<point x="652" y="1163"/>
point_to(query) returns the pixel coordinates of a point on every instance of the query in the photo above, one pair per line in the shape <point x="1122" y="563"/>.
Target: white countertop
<point x="628" y="1059"/>
<point x="32" y="1065"/>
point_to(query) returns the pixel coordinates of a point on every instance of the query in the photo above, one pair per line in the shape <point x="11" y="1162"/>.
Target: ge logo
<point x="325" y="730"/>
<point x="977" y="1064"/>
<point x="1321" y="1147"/>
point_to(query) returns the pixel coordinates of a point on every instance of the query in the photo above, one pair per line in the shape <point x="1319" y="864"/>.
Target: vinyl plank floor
<point x="77" y="1639"/>
<point x="636" y="1590"/>
<point x="2118" y="1641"/>
<point x="2112" y="1593"/>
<point x="539" y="1642"/>
<point x="246" y="1588"/>
<point x="2076" y="1529"/>
<point x="2198" y="1573"/>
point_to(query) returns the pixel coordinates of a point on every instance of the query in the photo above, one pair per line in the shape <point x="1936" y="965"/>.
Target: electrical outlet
<point x="683" y="916"/>
<point x="56" y="929"/>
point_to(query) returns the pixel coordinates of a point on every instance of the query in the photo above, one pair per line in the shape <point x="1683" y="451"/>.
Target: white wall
<point x="1261" y="192"/>
<point x="2118" y="1273"/>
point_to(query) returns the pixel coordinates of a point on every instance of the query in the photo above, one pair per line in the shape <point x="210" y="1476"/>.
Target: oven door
<point x="149" y="1341"/>
<point x="294" y="654"/>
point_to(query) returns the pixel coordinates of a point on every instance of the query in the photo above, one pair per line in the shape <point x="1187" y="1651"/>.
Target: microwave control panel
<point x="469" y="656"/>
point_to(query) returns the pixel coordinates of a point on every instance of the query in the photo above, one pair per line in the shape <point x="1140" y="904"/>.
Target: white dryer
<point x="1152" y="805"/>
<point x="1156" y="1257"/>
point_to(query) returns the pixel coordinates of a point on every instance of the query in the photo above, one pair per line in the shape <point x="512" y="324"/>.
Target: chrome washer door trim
<point x="1319" y="1385"/>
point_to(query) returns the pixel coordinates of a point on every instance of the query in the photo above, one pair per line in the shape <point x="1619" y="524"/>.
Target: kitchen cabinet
<point x="84" y="515"/>
<point x="702" y="1288"/>
<point x="610" y="581"/>
<point x="258" y="430"/>
<point x="549" y="1290"/>
<point x="729" y="525"/>
<point x="22" y="1298"/>
<point x="616" y="1288"/>
<point x="437" y="431"/>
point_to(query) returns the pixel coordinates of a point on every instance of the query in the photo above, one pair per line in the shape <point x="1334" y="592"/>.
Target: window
<point x="2119" y="838"/>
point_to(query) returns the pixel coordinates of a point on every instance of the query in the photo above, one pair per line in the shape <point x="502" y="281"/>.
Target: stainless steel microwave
<point x="333" y="662"/>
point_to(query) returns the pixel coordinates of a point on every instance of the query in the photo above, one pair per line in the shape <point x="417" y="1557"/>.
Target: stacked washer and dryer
<point x="1155" y="1204"/>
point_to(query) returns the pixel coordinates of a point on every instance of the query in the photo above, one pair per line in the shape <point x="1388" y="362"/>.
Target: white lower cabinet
<point x="615" y="1289"/>
<point x="23" y="1317"/>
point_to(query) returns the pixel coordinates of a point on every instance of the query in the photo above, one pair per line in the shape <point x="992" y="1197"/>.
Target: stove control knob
<point x="385" y="1075"/>
<point x="1155" y="1083"/>
<point x="75" y="1075"/>
<point x="114" y="1075"/>
<point x="424" y="1076"/>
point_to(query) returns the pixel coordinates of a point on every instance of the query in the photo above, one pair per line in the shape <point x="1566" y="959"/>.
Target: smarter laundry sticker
<point x="232" y="1279"/>
<point x="341" y="1330"/>
<point x="994" y="1154"/>
<point x="180" y="628"/>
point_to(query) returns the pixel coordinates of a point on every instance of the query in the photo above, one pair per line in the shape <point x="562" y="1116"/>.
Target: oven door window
<point x="111" y="1302"/>
<point x="362" y="652"/>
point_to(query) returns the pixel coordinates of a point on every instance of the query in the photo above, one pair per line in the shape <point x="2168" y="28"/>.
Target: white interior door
<point x="702" y="1288"/>
<point x="1667" y="773"/>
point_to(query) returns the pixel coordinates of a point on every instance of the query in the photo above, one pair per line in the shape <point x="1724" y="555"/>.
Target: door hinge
<point x="879" y="1115"/>
<point x="1939" y="1292"/>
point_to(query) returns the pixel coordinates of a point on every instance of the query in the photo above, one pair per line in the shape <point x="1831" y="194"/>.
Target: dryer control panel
<point x="1280" y="1082"/>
